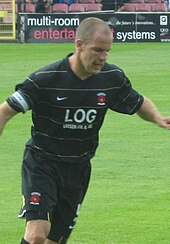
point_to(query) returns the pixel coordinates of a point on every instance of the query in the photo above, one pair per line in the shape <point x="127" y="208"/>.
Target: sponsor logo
<point x="136" y="35"/>
<point x="80" y="116"/>
<point x="49" y="21"/>
<point x="163" y="20"/>
<point x="101" y="98"/>
<point x="35" y="198"/>
<point x="164" y="31"/>
<point x="61" y="98"/>
<point x="79" y="119"/>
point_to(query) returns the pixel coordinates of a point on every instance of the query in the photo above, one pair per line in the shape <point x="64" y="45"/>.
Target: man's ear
<point x="79" y="44"/>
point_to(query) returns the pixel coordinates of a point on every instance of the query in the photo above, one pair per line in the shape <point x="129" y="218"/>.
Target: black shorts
<point x="56" y="189"/>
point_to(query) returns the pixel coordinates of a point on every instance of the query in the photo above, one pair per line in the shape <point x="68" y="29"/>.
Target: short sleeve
<point x="128" y="100"/>
<point x="30" y="90"/>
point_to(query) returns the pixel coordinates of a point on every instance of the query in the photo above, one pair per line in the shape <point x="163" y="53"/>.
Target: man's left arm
<point x="148" y="111"/>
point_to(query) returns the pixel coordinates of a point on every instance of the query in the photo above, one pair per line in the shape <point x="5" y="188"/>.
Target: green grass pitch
<point x="128" y="201"/>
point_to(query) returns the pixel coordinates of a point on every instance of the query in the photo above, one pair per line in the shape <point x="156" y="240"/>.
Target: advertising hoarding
<point x="126" y="27"/>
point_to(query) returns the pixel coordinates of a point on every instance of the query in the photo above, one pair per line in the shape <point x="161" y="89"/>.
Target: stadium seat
<point x="48" y="9"/>
<point x="28" y="7"/>
<point x="87" y="1"/>
<point x="75" y="1"/>
<point x="94" y="7"/>
<point x="146" y="7"/>
<point x="60" y="8"/>
<point x="6" y="6"/>
<point x="77" y="7"/>
<point x="127" y="7"/>
<point x="153" y="1"/>
<point x="136" y="1"/>
<point x="159" y="7"/>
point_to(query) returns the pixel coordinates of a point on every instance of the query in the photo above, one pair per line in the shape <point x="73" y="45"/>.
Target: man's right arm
<point x="6" y="113"/>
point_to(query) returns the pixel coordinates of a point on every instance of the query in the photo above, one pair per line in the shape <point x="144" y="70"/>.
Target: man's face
<point x="93" y="54"/>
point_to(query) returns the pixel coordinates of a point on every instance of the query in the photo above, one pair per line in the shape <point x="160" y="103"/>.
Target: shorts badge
<point x="35" y="198"/>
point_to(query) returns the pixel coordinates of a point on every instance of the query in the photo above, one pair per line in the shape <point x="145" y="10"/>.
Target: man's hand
<point x="148" y="111"/>
<point x="164" y="122"/>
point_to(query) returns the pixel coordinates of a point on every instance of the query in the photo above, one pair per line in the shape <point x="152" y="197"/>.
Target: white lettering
<point x="80" y="116"/>
<point x="67" y="116"/>
<point x="91" y="115"/>
<point x="48" y="21"/>
<point x="136" y="35"/>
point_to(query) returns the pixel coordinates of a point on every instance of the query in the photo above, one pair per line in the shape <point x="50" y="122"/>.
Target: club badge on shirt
<point x="101" y="98"/>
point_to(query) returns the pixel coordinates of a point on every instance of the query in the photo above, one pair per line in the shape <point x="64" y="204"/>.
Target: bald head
<point x="92" y="44"/>
<point x="89" y="26"/>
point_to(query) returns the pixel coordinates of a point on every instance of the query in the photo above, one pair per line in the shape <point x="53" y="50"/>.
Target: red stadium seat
<point x="153" y="1"/>
<point x="159" y="7"/>
<point x="60" y="8"/>
<point x="94" y="7"/>
<point x="146" y="7"/>
<point x="87" y="1"/>
<point x="77" y="7"/>
<point x="6" y="6"/>
<point x="127" y="7"/>
<point x="28" y="8"/>
<point x="136" y="1"/>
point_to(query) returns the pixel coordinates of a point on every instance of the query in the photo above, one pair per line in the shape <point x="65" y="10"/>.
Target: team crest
<point x="35" y="198"/>
<point x="101" y="98"/>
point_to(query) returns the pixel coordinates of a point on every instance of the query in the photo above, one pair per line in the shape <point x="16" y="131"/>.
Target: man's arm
<point x="148" y="111"/>
<point x="6" y="113"/>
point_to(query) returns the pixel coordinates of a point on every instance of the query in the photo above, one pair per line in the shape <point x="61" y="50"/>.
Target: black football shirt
<point x="68" y="112"/>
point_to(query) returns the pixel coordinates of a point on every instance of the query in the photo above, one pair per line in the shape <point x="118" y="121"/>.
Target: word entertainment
<point x="54" y="34"/>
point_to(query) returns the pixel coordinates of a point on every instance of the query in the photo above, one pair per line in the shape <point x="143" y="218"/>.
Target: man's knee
<point x="36" y="238"/>
<point x="37" y="231"/>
